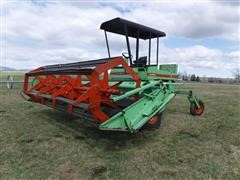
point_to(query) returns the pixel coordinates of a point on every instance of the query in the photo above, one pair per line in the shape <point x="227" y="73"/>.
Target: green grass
<point x="17" y="75"/>
<point x="37" y="142"/>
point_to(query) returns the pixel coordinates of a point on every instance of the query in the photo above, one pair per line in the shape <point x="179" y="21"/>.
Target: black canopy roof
<point x="117" y="25"/>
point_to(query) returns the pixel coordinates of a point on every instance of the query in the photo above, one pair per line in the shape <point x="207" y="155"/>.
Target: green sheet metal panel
<point x="137" y="114"/>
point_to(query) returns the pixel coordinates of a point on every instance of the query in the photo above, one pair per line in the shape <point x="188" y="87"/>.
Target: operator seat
<point x="141" y="62"/>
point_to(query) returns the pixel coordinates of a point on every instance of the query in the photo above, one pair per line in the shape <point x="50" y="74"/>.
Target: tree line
<point x="196" y="78"/>
<point x="187" y="77"/>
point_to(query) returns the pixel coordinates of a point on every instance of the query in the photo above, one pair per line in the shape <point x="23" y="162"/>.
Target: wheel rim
<point x="153" y="120"/>
<point x="200" y="109"/>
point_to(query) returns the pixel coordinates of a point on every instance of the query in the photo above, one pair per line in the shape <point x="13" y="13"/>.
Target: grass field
<point x="37" y="142"/>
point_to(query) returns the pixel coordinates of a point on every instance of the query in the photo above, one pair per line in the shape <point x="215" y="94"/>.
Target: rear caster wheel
<point x="194" y="110"/>
<point x="154" y="122"/>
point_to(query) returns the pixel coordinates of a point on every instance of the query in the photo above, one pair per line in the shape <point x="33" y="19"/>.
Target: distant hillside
<point x="4" y="68"/>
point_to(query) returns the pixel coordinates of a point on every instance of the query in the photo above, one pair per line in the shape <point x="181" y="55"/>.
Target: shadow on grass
<point x="111" y="140"/>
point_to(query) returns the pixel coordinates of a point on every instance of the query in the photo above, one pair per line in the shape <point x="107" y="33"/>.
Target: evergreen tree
<point x="193" y="77"/>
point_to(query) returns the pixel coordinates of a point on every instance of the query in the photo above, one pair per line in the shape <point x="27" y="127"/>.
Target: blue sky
<point x="202" y="36"/>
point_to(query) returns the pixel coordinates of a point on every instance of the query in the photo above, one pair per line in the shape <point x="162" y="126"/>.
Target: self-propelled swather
<point x="115" y="93"/>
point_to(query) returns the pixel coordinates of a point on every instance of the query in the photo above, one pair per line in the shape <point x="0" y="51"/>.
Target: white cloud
<point x="28" y="58"/>
<point x="66" y="23"/>
<point x="188" y="18"/>
<point x="37" y="35"/>
<point x="196" y="57"/>
<point x="55" y="24"/>
<point x="234" y="55"/>
<point x="188" y="58"/>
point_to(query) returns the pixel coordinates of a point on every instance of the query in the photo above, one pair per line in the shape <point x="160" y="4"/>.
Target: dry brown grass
<point x="37" y="142"/>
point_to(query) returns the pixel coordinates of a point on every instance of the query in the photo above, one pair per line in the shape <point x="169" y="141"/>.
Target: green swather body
<point x="114" y="93"/>
<point x="155" y="94"/>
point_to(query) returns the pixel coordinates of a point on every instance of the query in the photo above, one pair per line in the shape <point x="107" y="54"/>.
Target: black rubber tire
<point x="9" y="82"/>
<point x="194" y="110"/>
<point x="157" y="124"/>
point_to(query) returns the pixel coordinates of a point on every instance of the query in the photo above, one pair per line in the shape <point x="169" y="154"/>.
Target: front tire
<point x="154" y="122"/>
<point x="194" y="110"/>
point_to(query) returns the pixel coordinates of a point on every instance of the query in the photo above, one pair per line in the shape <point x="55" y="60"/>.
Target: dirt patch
<point x="66" y="171"/>
<point x="99" y="169"/>
<point x="191" y="134"/>
<point x="168" y="172"/>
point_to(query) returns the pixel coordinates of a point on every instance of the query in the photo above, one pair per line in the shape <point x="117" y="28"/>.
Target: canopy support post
<point x="137" y="45"/>
<point x="107" y="44"/>
<point x="149" y="49"/>
<point x="128" y="45"/>
<point x="157" y="49"/>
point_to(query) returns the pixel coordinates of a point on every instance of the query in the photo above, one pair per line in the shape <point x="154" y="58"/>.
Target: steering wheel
<point x="126" y="55"/>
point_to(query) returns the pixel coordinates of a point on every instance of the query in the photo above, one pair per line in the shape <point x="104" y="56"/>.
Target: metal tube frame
<point x="128" y="45"/>
<point x="149" y="50"/>
<point x="157" y="48"/>
<point x="137" y="46"/>
<point x="107" y="44"/>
